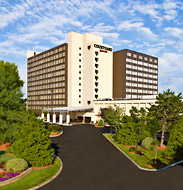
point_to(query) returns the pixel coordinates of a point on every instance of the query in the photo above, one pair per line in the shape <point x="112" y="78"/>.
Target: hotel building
<point x="74" y="80"/>
<point x="134" y="74"/>
<point x="70" y="75"/>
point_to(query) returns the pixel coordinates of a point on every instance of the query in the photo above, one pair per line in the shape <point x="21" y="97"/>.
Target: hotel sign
<point x="102" y="48"/>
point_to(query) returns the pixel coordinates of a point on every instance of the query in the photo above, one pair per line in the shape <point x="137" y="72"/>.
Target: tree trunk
<point x="162" y="136"/>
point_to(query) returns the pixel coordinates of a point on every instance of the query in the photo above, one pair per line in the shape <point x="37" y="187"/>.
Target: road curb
<point x="149" y="170"/>
<point x="51" y="179"/>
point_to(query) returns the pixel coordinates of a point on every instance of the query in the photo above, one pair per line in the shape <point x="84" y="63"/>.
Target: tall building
<point x="134" y="74"/>
<point x="47" y="78"/>
<point x="70" y="75"/>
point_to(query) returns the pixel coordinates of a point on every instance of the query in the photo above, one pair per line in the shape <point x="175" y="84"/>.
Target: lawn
<point x="34" y="178"/>
<point x="144" y="159"/>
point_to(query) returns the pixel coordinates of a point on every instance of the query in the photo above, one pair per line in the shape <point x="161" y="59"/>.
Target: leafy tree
<point x="175" y="141"/>
<point x="139" y="118"/>
<point x="167" y="109"/>
<point x="114" y="116"/>
<point x="126" y="133"/>
<point x="32" y="142"/>
<point x="11" y="100"/>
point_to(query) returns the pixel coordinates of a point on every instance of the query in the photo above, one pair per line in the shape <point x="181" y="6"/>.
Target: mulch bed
<point x="4" y="146"/>
<point x="42" y="167"/>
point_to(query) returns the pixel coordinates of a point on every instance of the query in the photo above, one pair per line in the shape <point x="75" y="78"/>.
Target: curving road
<point x="90" y="162"/>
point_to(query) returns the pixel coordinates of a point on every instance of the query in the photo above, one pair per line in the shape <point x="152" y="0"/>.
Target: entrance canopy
<point x="69" y="109"/>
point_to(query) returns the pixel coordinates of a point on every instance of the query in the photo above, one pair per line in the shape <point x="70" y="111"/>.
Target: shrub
<point x="132" y="149"/>
<point x="53" y="128"/>
<point x="32" y="142"/>
<point x="126" y="134"/>
<point x="147" y="143"/>
<point x="100" y="123"/>
<point x="17" y="165"/>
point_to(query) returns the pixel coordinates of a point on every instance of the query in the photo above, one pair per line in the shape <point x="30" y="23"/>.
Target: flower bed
<point x="7" y="175"/>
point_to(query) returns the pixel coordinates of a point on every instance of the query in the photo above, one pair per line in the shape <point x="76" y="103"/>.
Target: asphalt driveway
<point x="90" y="162"/>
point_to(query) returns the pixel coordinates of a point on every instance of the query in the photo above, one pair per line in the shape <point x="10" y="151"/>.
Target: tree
<point x="114" y="116"/>
<point x="11" y="100"/>
<point x="138" y="117"/>
<point x="175" y="141"/>
<point x="167" y="109"/>
<point x="32" y="142"/>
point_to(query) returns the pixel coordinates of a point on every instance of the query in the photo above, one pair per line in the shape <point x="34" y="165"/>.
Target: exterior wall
<point x="140" y="77"/>
<point x="125" y="104"/>
<point x="82" y="70"/>
<point x="47" y="78"/>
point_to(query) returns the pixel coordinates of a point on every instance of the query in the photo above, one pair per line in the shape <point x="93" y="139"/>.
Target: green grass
<point x="34" y="178"/>
<point x="143" y="159"/>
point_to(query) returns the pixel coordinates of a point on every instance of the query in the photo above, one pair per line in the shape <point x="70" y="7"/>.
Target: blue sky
<point x="151" y="27"/>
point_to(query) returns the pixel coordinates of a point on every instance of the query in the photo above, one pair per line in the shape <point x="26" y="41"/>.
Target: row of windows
<point x="43" y="97"/>
<point x="46" y="65"/>
<point x="46" y="81"/>
<point x="141" y="57"/>
<point x="46" y="54"/>
<point x="142" y="80"/>
<point x="43" y="74"/>
<point x="48" y="102"/>
<point x="47" y="86"/>
<point x="44" y="92"/>
<point x="140" y="91"/>
<point x="138" y="96"/>
<point x="141" y="85"/>
<point x="141" y="69"/>
<point x="141" y="65"/>
<point x="141" y="74"/>
<point x="96" y="76"/>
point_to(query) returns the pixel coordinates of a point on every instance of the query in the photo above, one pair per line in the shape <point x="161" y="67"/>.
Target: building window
<point x="96" y="90"/>
<point x="129" y="54"/>
<point x="96" y="77"/>
<point x="79" y="102"/>
<point x="96" y="59"/>
<point x="96" y="96"/>
<point x="79" y="60"/>
<point x="96" y="65"/>
<point x="79" y="84"/>
<point x="79" y="66"/>
<point x="79" y="90"/>
<point x="96" y="53"/>
<point x="134" y="55"/>
<point x="79" y="54"/>
<point x="79" y="72"/>
<point x="88" y="102"/>
<point x="79" y="78"/>
<point x="96" y="72"/>
<point x="96" y="83"/>
<point x="79" y="48"/>
<point x="79" y="96"/>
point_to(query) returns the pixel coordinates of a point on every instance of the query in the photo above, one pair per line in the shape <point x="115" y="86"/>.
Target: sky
<point x="152" y="27"/>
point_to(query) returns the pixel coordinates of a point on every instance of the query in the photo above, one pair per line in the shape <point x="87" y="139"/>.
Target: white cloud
<point x="173" y="31"/>
<point x="137" y="26"/>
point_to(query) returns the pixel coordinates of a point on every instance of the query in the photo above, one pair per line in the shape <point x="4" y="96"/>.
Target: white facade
<point x="90" y="69"/>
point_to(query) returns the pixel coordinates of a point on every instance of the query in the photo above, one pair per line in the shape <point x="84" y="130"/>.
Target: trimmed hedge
<point x="16" y="165"/>
<point x="147" y="143"/>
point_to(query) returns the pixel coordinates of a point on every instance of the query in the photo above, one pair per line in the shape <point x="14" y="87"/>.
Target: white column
<point x="67" y="119"/>
<point x="48" y="117"/>
<point x="60" y="118"/>
<point x="54" y="118"/>
<point x="42" y="115"/>
<point x="83" y="120"/>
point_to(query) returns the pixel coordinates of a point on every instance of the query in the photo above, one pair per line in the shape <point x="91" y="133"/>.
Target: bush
<point x="126" y="134"/>
<point x="147" y="143"/>
<point x="53" y="128"/>
<point x="101" y="123"/>
<point x="17" y="165"/>
<point x="32" y="142"/>
<point x="132" y="149"/>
